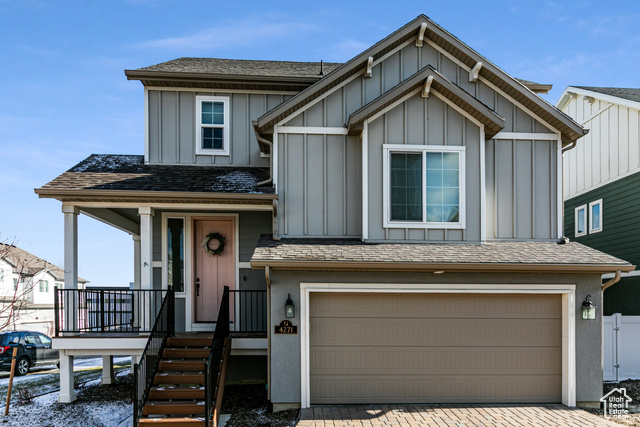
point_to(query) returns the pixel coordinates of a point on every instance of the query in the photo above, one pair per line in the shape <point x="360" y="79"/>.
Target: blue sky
<point x="64" y="96"/>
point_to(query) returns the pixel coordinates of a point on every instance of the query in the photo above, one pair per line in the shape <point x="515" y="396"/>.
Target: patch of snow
<point x="108" y="162"/>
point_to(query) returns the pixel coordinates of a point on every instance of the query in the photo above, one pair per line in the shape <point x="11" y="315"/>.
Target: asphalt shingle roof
<point x="243" y="67"/>
<point x="504" y="252"/>
<point x="128" y="172"/>
<point x="625" y="93"/>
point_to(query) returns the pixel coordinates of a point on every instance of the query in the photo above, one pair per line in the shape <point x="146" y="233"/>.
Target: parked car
<point x="34" y="349"/>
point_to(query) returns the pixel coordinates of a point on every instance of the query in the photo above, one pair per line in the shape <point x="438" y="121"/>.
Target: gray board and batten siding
<point x="172" y="127"/>
<point x="520" y="176"/>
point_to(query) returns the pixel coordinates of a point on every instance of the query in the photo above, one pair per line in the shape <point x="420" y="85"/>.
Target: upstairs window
<point x="44" y="285"/>
<point x="212" y="125"/>
<point x="424" y="186"/>
<point x="595" y="216"/>
<point x="581" y="220"/>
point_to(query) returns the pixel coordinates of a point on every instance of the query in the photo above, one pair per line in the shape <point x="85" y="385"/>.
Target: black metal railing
<point x="105" y="311"/>
<point x="147" y="366"/>
<point x="248" y="311"/>
<point x="212" y="366"/>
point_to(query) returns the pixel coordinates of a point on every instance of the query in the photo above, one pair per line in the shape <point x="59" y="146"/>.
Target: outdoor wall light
<point x="289" y="308"/>
<point x="588" y="309"/>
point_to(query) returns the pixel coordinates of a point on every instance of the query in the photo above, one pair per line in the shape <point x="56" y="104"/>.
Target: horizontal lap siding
<point x="422" y="348"/>
<point x="620" y="235"/>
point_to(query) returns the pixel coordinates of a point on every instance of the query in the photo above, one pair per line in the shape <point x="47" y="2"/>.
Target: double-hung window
<point x="424" y="186"/>
<point x="595" y="216"/>
<point x="212" y="125"/>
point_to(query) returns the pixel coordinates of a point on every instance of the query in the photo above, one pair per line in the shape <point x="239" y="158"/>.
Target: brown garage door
<point x="446" y="348"/>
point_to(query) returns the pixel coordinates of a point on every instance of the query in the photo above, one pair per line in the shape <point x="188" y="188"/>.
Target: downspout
<point x="570" y="146"/>
<point x="267" y="276"/>
<point x="611" y="282"/>
<point x="270" y="144"/>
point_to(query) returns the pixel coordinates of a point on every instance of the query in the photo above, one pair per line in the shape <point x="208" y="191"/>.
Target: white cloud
<point x="233" y="34"/>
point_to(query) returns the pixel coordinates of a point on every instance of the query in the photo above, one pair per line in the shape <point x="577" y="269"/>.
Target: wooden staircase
<point x="177" y="397"/>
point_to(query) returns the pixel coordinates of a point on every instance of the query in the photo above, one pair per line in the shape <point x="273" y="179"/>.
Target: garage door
<point x="435" y="348"/>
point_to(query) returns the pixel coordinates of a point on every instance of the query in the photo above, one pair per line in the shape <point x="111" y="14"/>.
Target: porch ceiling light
<point x="289" y="308"/>
<point x="588" y="309"/>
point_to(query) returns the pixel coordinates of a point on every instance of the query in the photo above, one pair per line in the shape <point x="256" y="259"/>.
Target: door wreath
<point x="215" y="250"/>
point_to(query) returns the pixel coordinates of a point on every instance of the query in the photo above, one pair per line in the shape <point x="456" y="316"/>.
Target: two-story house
<point x="27" y="283"/>
<point x="400" y="214"/>
<point x="603" y="172"/>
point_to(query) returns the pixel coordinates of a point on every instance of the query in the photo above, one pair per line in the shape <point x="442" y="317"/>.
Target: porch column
<point x="136" y="262"/>
<point x="146" y="266"/>
<point x="67" y="394"/>
<point x="107" y="370"/>
<point x="137" y="268"/>
<point x="70" y="264"/>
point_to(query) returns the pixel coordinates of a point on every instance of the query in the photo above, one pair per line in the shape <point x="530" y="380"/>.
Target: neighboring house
<point x="27" y="283"/>
<point x="405" y="207"/>
<point x="601" y="181"/>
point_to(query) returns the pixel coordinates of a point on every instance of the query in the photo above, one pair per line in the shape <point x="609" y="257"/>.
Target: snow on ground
<point x="46" y="411"/>
<point x="97" y="405"/>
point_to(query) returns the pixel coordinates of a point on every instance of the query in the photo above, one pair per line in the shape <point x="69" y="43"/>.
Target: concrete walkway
<point x="450" y="416"/>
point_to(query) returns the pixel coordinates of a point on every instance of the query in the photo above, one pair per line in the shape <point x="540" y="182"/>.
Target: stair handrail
<point x="164" y="320"/>
<point x="215" y="354"/>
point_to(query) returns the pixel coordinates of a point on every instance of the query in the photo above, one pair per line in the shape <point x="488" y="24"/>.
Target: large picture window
<point x="212" y="125"/>
<point x="424" y="186"/>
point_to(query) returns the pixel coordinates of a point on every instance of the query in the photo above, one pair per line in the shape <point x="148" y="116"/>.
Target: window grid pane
<point x="443" y="187"/>
<point x="406" y="187"/>
<point x="212" y="113"/>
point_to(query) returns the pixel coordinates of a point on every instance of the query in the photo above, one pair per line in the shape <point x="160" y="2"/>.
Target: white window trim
<point x="386" y="181"/>
<point x="581" y="207"/>
<point x="591" y="205"/>
<point x="226" y="126"/>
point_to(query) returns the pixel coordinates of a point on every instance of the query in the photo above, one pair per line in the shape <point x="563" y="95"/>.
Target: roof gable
<point x="629" y="97"/>
<point x="429" y="76"/>
<point x="464" y="54"/>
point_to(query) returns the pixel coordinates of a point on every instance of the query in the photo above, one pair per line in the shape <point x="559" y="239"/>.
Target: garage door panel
<point x="435" y="305"/>
<point x="419" y="358"/>
<point x="436" y="389"/>
<point x="432" y="331"/>
<point x="441" y="360"/>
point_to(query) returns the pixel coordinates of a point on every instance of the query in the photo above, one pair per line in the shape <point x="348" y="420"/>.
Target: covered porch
<point x="166" y="210"/>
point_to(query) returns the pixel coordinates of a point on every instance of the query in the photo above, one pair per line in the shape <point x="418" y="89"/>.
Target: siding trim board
<point x="568" y="319"/>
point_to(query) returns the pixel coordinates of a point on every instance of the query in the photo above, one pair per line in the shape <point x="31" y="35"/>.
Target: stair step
<point x="189" y="342"/>
<point x="173" y="408"/>
<point x="192" y="378"/>
<point x="176" y="393"/>
<point x="185" y="353"/>
<point x="181" y="365"/>
<point x="174" y="421"/>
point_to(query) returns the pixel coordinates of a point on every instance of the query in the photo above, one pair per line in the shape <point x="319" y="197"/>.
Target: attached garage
<point x="434" y="347"/>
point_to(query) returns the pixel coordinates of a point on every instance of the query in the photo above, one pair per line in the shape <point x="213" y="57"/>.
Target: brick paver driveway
<point x="449" y="416"/>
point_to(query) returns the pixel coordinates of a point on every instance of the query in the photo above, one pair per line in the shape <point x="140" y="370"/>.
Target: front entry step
<point x="178" y="395"/>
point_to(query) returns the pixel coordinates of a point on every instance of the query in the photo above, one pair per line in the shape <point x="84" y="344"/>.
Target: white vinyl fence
<point x="621" y="342"/>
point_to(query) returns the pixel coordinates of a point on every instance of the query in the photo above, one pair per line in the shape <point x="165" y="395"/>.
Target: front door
<point x="212" y="271"/>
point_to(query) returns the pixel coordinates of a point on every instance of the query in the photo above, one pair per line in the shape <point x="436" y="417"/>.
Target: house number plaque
<point x="285" y="327"/>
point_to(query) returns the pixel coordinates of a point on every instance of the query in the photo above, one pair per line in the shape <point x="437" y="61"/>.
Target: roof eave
<point x="147" y="75"/>
<point x="445" y="267"/>
<point x="52" y="193"/>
